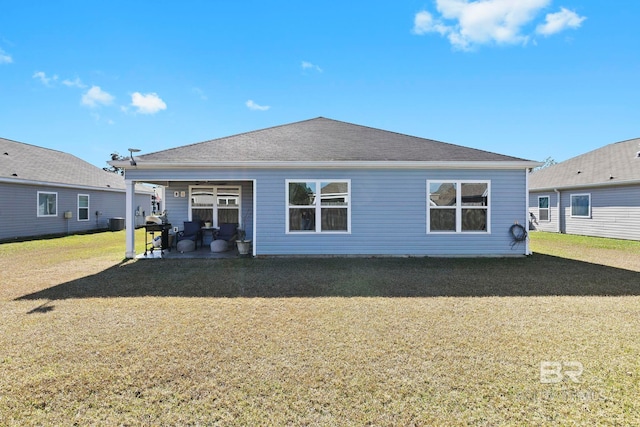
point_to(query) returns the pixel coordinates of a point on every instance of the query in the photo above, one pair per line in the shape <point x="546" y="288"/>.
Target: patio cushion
<point x="186" y="246"/>
<point x="219" y="246"/>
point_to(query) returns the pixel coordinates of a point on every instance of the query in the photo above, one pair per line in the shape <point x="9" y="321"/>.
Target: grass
<point x="91" y="339"/>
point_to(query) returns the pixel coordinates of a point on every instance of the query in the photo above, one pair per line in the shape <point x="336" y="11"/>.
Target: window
<point x="581" y="205"/>
<point x="543" y="208"/>
<point x="458" y="206"/>
<point x="47" y="204"/>
<point x="83" y="207"/>
<point x="218" y="205"/>
<point x="329" y="213"/>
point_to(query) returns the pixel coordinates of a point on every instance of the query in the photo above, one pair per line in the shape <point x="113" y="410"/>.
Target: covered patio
<point x="211" y="204"/>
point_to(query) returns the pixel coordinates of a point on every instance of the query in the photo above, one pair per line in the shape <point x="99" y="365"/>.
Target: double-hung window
<point x="47" y="204"/>
<point x="218" y="205"/>
<point x="543" y="208"/>
<point x="458" y="206"/>
<point x="83" y="207"/>
<point x="581" y="205"/>
<point x="318" y="206"/>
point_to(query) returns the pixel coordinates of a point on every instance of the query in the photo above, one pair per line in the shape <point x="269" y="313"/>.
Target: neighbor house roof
<point x="613" y="164"/>
<point x="317" y="140"/>
<point x="27" y="164"/>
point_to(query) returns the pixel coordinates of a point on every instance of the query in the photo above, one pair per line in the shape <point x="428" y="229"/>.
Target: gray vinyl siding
<point x="18" y="210"/>
<point x="615" y="213"/>
<point x="388" y="210"/>
<point x="539" y="225"/>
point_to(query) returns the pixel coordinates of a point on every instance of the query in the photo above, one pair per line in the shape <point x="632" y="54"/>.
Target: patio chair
<point x="192" y="231"/>
<point x="228" y="232"/>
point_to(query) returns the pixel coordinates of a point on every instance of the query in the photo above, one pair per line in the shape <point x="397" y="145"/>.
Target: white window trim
<point x="38" y="205"/>
<point x="548" y="208"/>
<point x="571" y="205"/>
<point x="318" y="207"/>
<point x="215" y="204"/>
<point x="88" y="208"/>
<point x="459" y="206"/>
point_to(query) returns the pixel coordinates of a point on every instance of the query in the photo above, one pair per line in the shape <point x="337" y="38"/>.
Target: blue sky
<point x="528" y="78"/>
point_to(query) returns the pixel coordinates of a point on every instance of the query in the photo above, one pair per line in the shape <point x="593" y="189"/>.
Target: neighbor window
<point x="218" y="205"/>
<point x="83" y="207"/>
<point x="543" y="208"/>
<point x="581" y="205"/>
<point x="458" y="206"/>
<point x="47" y="203"/>
<point x="330" y="212"/>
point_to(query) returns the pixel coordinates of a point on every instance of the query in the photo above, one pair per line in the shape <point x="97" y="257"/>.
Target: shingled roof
<point x="27" y="163"/>
<point x="321" y="140"/>
<point x="613" y="164"/>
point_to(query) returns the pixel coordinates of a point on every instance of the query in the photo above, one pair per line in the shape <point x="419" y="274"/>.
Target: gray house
<point x="594" y="194"/>
<point x="45" y="191"/>
<point x="325" y="187"/>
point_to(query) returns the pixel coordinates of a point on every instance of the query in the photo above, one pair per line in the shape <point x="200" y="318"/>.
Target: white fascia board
<point x="521" y="164"/>
<point x="583" y="186"/>
<point x="58" y="184"/>
<point x="63" y="185"/>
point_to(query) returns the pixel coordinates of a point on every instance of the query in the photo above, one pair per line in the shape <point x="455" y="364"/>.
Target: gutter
<point x="365" y="164"/>
<point x="592" y="185"/>
<point x="58" y="184"/>
<point x="63" y="185"/>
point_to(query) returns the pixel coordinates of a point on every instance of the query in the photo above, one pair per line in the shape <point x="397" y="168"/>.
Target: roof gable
<point x="612" y="164"/>
<point x="29" y="163"/>
<point x="321" y="140"/>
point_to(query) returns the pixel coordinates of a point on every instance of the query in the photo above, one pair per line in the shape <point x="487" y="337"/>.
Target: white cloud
<point x="309" y="66"/>
<point x="424" y="23"/>
<point x="42" y="76"/>
<point x="5" y="58"/>
<point x="95" y="97"/>
<point x="149" y="103"/>
<point x="560" y="21"/>
<point x="74" y="83"/>
<point x="467" y="24"/>
<point x="253" y="106"/>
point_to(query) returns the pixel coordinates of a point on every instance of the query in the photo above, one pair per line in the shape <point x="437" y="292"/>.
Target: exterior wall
<point x="615" y="213"/>
<point x="19" y="216"/>
<point x="538" y="224"/>
<point x="388" y="210"/>
<point x="178" y="207"/>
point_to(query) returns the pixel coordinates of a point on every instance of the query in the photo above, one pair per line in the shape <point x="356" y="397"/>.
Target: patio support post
<point x="527" y="249"/>
<point x="130" y="223"/>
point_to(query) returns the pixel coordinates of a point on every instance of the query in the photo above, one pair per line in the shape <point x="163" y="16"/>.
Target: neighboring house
<point x="594" y="194"/>
<point x="45" y="191"/>
<point x="325" y="187"/>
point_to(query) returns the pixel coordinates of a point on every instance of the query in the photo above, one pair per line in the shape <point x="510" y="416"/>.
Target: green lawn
<point x="91" y="339"/>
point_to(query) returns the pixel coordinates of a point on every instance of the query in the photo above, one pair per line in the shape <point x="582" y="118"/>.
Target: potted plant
<point x="244" y="245"/>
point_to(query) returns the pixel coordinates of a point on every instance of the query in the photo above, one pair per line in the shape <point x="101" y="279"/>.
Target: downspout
<point x="255" y="218"/>
<point x="559" y="211"/>
<point x="130" y="225"/>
